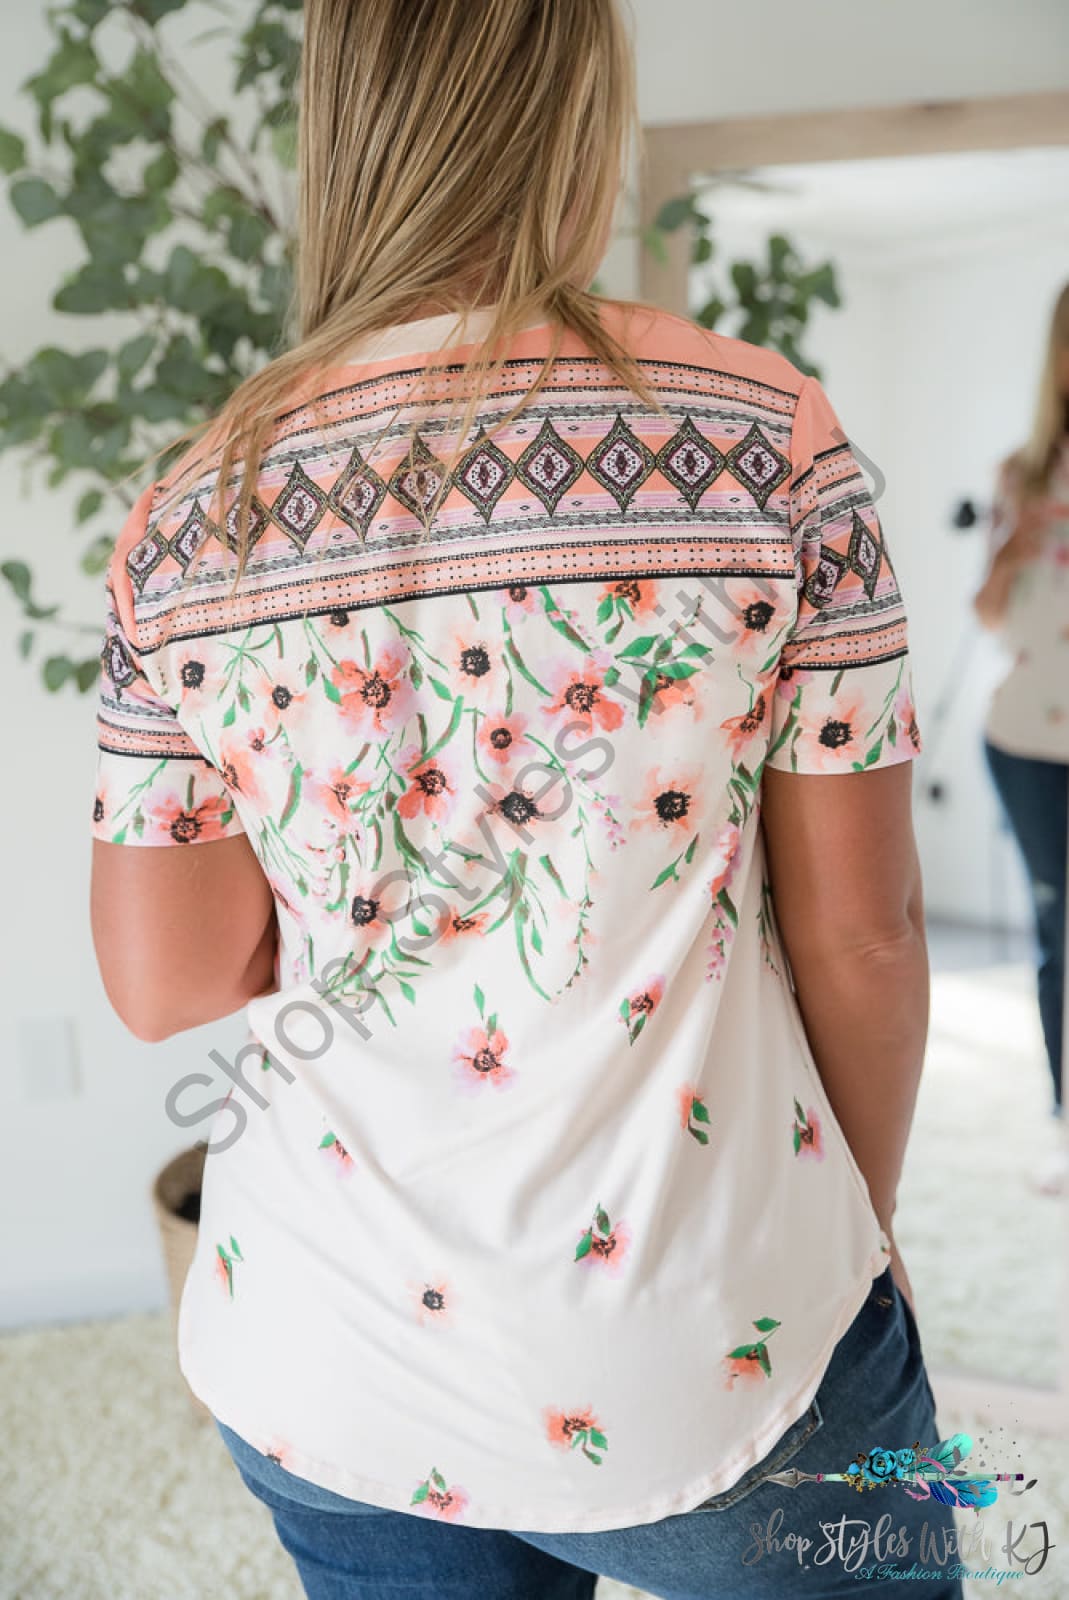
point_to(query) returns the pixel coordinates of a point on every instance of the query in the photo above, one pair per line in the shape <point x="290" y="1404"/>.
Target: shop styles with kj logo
<point x="880" y="1549"/>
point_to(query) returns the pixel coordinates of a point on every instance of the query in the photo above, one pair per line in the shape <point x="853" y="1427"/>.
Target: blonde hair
<point x="1032" y="465"/>
<point x="455" y="153"/>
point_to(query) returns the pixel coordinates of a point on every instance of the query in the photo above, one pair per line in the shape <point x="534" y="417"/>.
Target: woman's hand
<point x="1021" y="548"/>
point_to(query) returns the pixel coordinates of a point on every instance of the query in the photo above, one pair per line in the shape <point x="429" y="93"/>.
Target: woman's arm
<point x="846" y="888"/>
<point x="183" y="935"/>
<point x="1025" y="521"/>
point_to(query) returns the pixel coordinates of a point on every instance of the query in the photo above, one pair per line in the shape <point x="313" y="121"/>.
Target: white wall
<point x="76" y="1233"/>
<point x="931" y="363"/>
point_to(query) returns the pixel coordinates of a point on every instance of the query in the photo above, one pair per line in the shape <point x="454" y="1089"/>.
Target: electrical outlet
<point x="48" y="1058"/>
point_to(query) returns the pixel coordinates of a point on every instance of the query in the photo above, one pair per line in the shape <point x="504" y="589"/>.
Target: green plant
<point x="764" y="302"/>
<point x="178" y="209"/>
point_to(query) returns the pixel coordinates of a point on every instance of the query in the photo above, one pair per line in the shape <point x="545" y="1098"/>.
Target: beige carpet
<point x="112" y="1490"/>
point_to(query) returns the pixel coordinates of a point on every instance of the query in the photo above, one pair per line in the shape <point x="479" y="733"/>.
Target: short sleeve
<point x="153" y="786"/>
<point x="844" y="693"/>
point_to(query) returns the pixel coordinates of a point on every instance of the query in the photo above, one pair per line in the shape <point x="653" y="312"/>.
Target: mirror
<point x="947" y="268"/>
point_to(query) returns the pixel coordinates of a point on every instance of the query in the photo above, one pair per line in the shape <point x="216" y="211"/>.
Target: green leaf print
<point x="700" y="1111"/>
<point x="421" y="1494"/>
<point x="765" y="1324"/>
<point x="584" y="1246"/>
<point x="437" y="1479"/>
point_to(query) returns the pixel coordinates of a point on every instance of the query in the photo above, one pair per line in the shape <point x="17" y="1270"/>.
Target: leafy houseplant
<point x="181" y="214"/>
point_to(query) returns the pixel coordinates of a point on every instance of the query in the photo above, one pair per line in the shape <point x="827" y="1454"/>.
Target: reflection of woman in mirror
<point x="1025" y="597"/>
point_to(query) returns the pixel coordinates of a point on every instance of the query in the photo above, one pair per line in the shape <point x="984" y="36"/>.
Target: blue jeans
<point x="1035" y="799"/>
<point x="875" y="1393"/>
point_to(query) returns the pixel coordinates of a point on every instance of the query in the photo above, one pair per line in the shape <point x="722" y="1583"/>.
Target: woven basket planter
<point x="176" y="1202"/>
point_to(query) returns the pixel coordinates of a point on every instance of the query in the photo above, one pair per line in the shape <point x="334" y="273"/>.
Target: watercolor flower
<point x="670" y="694"/>
<point x="100" y="805"/>
<point x="639" y="1006"/>
<point x="434" y="1496"/>
<point x="193" y="680"/>
<point x="833" y="740"/>
<point x="374" y="700"/>
<point x="575" y="1430"/>
<point x="278" y="1452"/>
<point x="475" y="666"/>
<point x="692" y="1111"/>
<point x="906" y="717"/>
<point x="755" y="611"/>
<point x="807" y="1133"/>
<point x="431" y="786"/>
<point x="224" y="1264"/>
<point x="186" y="824"/>
<point x="726" y="855"/>
<point x="432" y="1303"/>
<point x="479" y="1054"/>
<point x="283" y="704"/>
<point x="749" y="1363"/>
<point x="579" y="696"/>
<point x="499" y="736"/>
<point x="668" y="802"/>
<point x="516" y="803"/>
<point x="338" y="792"/>
<point x="237" y="768"/>
<point x="519" y="601"/>
<point x="454" y="924"/>
<point x="742" y="730"/>
<point x="604" y="1245"/>
<point x="790" y="679"/>
<point x="369" y="917"/>
<point x="338" y="1153"/>
<point x="638" y="594"/>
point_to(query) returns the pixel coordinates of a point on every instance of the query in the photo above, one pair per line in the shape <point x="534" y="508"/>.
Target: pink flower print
<point x="337" y="1151"/>
<point x="499" y="736"/>
<point x="278" y="1452"/>
<point x="906" y="718"/>
<point x="742" y="730"/>
<point x="604" y="1245"/>
<point x="833" y="741"/>
<point x="692" y="1112"/>
<point x="749" y="1363"/>
<point x="432" y="1302"/>
<point x="579" y="696"/>
<point x="726" y="856"/>
<point x="755" y="611"/>
<point x="454" y="924"/>
<point x="431" y="789"/>
<point x="807" y="1133"/>
<point x="375" y="700"/>
<point x="100" y="805"/>
<point x="193" y="679"/>
<point x="636" y="1010"/>
<point x="369" y="917"/>
<point x="718" y="948"/>
<point x="790" y="680"/>
<point x="518" y="804"/>
<point x="669" y="694"/>
<point x="573" y="1430"/>
<point x="238" y="770"/>
<point x="284" y="703"/>
<point x="434" y="1496"/>
<point x="669" y="802"/>
<point x="480" y="1054"/>
<point x="186" y="825"/>
<point x="224" y="1264"/>
<point x="475" y="666"/>
<point x="338" y="792"/>
<point x="519" y="601"/>
<point x="640" y="594"/>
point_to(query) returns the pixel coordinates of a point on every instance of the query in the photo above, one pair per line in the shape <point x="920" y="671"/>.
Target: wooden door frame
<point x="675" y="153"/>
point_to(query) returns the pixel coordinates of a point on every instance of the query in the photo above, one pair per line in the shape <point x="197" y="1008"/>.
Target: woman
<point x="448" y="680"/>
<point x="1025" y="598"/>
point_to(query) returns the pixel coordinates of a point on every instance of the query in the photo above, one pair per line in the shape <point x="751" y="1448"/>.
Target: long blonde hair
<point x="1033" y="464"/>
<point x="451" y="152"/>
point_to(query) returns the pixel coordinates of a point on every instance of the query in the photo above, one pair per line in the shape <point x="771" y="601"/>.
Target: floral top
<point x="1029" y="712"/>
<point x="527" y="1207"/>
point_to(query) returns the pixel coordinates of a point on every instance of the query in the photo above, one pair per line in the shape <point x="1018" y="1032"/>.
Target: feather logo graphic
<point x="932" y="1473"/>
